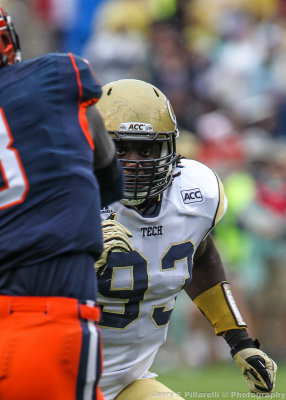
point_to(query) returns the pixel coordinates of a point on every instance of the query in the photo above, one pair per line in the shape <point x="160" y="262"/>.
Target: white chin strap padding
<point x="132" y="202"/>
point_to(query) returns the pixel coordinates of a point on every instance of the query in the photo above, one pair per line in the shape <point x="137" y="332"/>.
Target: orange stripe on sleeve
<point x="77" y="76"/>
<point x="82" y="106"/>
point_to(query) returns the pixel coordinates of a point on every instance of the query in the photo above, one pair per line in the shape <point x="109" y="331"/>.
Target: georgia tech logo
<point x="192" y="196"/>
<point x="152" y="231"/>
<point x="135" y="126"/>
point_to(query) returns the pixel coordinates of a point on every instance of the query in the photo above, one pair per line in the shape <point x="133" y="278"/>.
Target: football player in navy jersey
<point x="58" y="166"/>
<point x="158" y="242"/>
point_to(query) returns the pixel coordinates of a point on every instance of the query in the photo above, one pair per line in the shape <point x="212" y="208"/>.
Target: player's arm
<point x="212" y="295"/>
<point x="107" y="167"/>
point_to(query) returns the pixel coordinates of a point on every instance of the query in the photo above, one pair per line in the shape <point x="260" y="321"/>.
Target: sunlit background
<point x="222" y="63"/>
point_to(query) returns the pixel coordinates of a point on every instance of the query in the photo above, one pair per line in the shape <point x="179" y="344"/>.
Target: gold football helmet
<point x="135" y="110"/>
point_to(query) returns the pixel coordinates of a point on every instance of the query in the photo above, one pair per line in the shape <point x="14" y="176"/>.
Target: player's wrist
<point x="238" y="339"/>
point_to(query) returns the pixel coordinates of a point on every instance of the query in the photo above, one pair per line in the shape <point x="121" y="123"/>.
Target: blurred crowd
<point x="222" y="64"/>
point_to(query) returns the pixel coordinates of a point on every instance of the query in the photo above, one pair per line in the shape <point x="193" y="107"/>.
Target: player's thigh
<point x="147" y="389"/>
<point x="47" y="351"/>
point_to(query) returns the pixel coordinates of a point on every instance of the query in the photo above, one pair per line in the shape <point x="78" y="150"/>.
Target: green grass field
<point x="217" y="381"/>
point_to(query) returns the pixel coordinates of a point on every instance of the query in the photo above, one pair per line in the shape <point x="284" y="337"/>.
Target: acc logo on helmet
<point x="135" y="126"/>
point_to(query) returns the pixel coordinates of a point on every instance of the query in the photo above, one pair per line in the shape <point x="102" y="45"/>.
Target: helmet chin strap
<point x="132" y="202"/>
<point x="144" y="205"/>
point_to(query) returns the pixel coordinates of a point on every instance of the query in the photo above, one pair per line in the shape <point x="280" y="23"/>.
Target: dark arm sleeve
<point x="208" y="269"/>
<point x="107" y="167"/>
<point x="111" y="182"/>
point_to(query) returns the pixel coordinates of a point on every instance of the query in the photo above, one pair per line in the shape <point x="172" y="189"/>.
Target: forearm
<point x="219" y="307"/>
<point x="106" y="166"/>
<point x="111" y="182"/>
<point x="211" y="292"/>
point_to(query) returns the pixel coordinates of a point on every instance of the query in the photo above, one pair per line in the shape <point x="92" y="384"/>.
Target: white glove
<point x="115" y="238"/>
<point x="259" y="370"/>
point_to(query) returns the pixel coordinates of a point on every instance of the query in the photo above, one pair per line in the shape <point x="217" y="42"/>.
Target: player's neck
<point x="150" y="207"/>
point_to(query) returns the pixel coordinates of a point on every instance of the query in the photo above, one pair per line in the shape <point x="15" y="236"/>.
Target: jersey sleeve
<point x="89" y="88"/>
<point x="78" y="88"/>
<point x="200" y="192"/>
<point x="222" y="202"/>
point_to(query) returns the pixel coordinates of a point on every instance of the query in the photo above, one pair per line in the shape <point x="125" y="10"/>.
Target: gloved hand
<point x="259" y="370"/>
<point x="115" y="238"/>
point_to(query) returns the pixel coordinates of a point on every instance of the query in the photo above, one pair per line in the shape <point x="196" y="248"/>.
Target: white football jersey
<point x="138" y="289"/>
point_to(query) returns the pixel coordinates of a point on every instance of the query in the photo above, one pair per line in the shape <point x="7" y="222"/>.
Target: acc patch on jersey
<point x="192" y="196"/>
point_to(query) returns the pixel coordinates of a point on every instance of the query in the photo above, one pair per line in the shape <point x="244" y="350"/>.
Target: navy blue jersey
<point x="49" y="198"/>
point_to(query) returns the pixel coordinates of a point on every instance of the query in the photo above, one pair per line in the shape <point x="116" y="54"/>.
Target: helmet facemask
<point x="145" y="179"/>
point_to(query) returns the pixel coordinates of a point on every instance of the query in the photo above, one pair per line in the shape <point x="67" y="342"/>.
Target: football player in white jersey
<point x="157" y="243"/>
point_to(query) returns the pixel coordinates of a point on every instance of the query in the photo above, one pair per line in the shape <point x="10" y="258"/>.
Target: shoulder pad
<point x="198" y="190"/>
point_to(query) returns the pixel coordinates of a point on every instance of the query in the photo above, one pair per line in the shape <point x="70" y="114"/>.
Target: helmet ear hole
<point x="157" y="94"/>
<point x="109" y="92"/>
